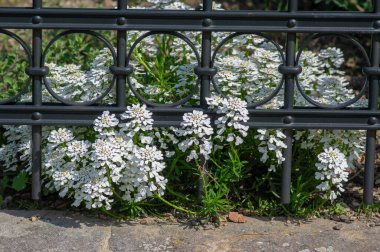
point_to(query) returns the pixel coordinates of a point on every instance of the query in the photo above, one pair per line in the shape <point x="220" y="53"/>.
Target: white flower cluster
<point x="139" y="119"/>
<point x="70" y="167"/>
<point x="198" y="134"/>
<point x="169" y="5"/>
<point x="332" y="172"/>
<point x="271" y="147"/>
<point x="166" y="139"/>
<point x="196" y="129"/>
<point x="234" y="114"/>
<point x="248" y="68"/>
<point x="351" y="143"/>
<point x="322" y="79"/>
<point x="17" y="149"/>
<point x="142" y="177"/>
<point x="91" y="170"/>
<point x="16" y="152"/>
<point x="74" y="84"/>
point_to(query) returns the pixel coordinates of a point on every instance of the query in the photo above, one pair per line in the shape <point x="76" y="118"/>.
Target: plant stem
<point x="201" y="173"/>
<point x="174" y="206"/>
<point x="177" y="194"/>
<point x="174" y="162"/>
<point x="106" y="212"/>
<point x="117" y="195"/>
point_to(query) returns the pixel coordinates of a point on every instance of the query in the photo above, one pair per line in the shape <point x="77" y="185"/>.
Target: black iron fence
<point x="206" y="21"/>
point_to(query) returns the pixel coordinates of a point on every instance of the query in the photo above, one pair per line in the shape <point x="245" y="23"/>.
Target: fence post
<point x="37" y="102"/>
<point x="205" y="82"/>
<point x="121" y="55"/>
<point x="370" y="155"/>
<point x="288" y="105"/>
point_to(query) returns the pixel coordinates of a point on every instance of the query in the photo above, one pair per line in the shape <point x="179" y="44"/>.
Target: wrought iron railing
<point x="206" y="21"/>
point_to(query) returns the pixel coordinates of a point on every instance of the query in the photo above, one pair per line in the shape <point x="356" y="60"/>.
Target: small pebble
<point x="285" y="244"/>
<point x="371" y="224"/>
<point x="355" y="204"/>
<point x="338" y="227"/>
<point x="330" y="249"/>
<point x="147" y="221"/>
<point x="345" y="219"/>
<point x="34" y="218"/>
<point x="236" y="217"/>
<point x="321" y="249"/>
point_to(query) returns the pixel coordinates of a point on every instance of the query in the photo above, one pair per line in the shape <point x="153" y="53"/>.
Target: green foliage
<point x="79" y="49"/>
<point x="214" y="203"/>
<point x="356" y="5"/>
<point x="13" y="78"/>
<point x="368" y="210"/>
<point x="20" y="181"/>
<point x="320" y="5"/>
<point x="337" y="209"/>
<point x="16" y="183"/>
<point x="266" y="208"/>
<point x="3" y="185"/>
<point x="133" y="209"/>
<point x="158" y="65"/>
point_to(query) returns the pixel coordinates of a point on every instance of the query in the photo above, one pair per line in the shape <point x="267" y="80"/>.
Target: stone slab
<point x="67" y="231"/>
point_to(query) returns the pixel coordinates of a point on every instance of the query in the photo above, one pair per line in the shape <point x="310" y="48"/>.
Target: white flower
<point x="332" y="171"/>
<point x="105" y="121"/>
<point x="334" y="54"/>
<point x="62" y="135"/>
<point x="196" y="123"/>
<point x="197" y="131"/>
<point x="142" y="178"/>
<point x="77" y="149"/>
<point x="193" y="155"/>
<point x="138" y="119"/>
<point x="271" y="141"/>
<point x="234" y="114"/>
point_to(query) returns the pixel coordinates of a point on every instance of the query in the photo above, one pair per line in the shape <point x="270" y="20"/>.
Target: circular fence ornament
<point x="324" y="81"/>
<point x="248" y="68"/>
<point x="163" y="64"/>
<point x="90" y="82"/>
<point x="14" y="81"/>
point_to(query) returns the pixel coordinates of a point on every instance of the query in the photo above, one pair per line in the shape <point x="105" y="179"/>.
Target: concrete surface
<point x="65" y="231"/>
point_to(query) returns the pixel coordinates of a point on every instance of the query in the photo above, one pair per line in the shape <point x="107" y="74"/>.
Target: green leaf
<point x="19" y="182"/>
<point x="3" y="183"/>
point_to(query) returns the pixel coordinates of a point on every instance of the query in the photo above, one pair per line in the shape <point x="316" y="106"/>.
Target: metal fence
<point x="206" y="21"/>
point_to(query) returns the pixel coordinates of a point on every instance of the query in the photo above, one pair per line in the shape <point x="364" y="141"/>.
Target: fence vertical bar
<point x="288" y="105"/>
<point x="121" y="55"/>
<point x="370" y="156"/>
<point x="37" y="101"/>
<point x="205" y="83"/>
<point x="206" y="55"/>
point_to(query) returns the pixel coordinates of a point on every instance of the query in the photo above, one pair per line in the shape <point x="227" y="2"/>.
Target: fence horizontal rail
<point x="172" y="20"/>
<point x="302" y="118"/>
